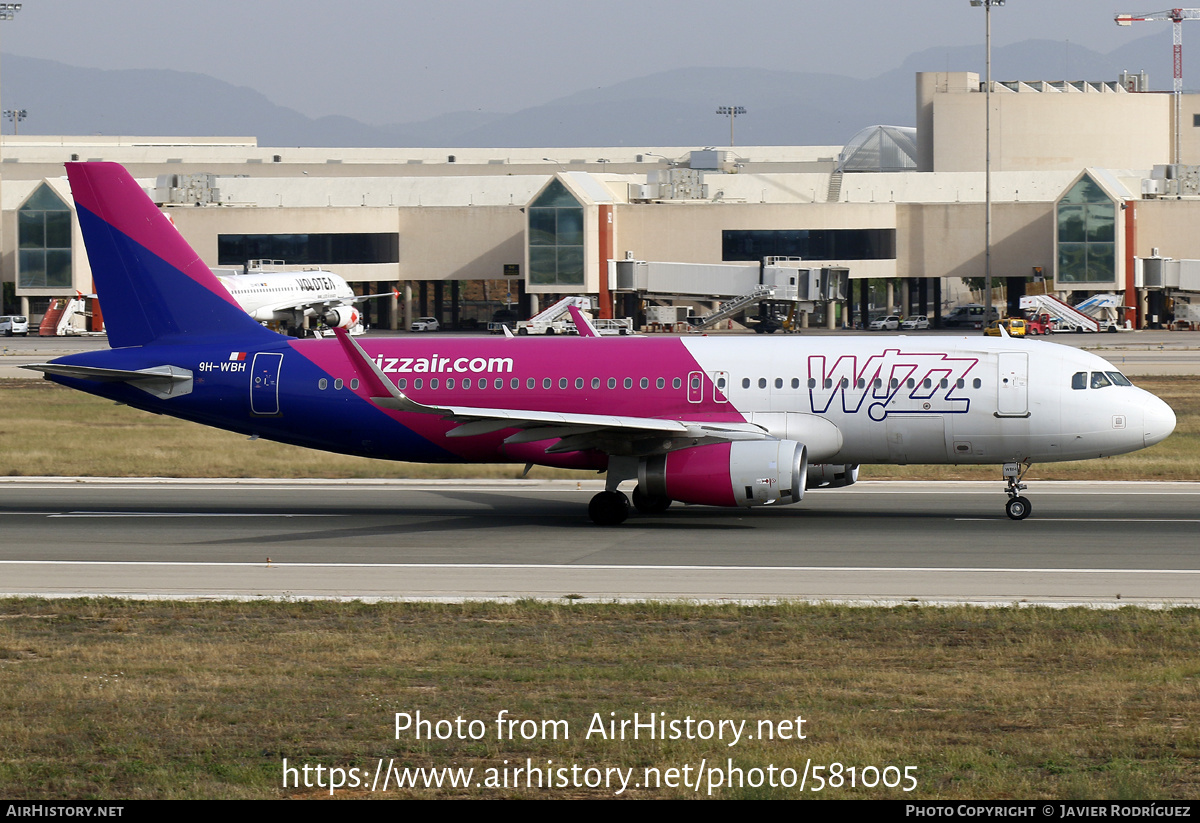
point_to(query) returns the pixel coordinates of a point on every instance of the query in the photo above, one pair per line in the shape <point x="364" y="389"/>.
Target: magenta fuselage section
<point x="634" y="377"/>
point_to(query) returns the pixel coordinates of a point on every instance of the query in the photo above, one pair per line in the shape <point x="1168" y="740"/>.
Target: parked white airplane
<point x="289" y="297"/>
<point x="722" y="421"/>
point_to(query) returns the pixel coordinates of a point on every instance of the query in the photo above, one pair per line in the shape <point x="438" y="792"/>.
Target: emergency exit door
<point x="264" y="384"/>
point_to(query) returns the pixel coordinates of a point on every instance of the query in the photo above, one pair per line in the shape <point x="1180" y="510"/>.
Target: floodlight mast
<point x="731" y="112"/>
<point x="987" y="158"/>
<point x="1176" y="16"/>
<point x="8" y="11"/>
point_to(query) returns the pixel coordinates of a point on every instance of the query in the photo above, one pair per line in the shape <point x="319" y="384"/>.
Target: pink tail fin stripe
<point x="109" y="192"/>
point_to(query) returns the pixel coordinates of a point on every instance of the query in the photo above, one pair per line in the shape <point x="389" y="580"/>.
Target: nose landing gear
<point x="1017" y="507"/>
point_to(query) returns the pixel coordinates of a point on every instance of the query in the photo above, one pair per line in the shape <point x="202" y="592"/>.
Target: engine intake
<point x="741" y="473"/>
<point x="341" y="317"/>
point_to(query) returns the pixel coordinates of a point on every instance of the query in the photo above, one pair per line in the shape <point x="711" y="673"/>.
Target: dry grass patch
<point x="120" y="699"/>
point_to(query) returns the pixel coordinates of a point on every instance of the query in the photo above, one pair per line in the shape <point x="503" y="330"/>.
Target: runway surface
<point x="879" y="542"/>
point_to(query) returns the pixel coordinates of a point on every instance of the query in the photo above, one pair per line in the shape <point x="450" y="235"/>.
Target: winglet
<point x="582" y="324"/>
<point x="381" y="390"/>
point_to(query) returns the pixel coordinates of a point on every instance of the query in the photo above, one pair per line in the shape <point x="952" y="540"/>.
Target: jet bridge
<point x="737" y="286"/>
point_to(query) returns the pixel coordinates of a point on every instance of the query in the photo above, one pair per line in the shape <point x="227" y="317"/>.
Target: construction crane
<point x="1176" y="16"/>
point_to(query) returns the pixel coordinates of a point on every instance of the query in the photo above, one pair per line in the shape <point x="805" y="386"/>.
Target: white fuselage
<point x="285" y="296"/>
<point x="936" y="399"/>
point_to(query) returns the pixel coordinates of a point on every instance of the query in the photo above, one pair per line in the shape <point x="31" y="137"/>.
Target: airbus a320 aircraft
<point x="718" y="421"/>
<point x="289" y="297"/>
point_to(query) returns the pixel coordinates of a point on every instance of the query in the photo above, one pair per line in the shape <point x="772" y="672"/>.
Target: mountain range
<point x="670" y="108"/>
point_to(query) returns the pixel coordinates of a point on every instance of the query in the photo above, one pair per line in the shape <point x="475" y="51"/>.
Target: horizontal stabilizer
<point x="160" y="381"/>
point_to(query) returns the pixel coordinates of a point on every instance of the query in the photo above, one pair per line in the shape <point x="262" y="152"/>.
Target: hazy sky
<point x="393" y="61"/>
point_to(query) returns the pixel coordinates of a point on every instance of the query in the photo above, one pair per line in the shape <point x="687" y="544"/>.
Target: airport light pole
<point x="8" y="11"/>
<point x="15" y="116"/>
<point x="987" y="158"/>
<point x="731" y="112"/>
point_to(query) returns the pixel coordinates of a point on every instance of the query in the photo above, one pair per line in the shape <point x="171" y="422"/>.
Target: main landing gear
<point x="611" y="508"/>
<point x="1017" y="507"/>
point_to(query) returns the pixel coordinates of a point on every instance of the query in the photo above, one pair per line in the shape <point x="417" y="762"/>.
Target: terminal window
<point x="809" y="244"/>
<point x="310" y="249"/>
<point x="1087" y="248"/>
<point x="44" y="241"/>
<point x="556" y="238"/>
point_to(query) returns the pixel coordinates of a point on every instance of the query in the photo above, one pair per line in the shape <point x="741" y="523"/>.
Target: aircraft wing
<point x="365" y="297"/>
<point x="321" y="306"/>
<point x="619" y="434"/>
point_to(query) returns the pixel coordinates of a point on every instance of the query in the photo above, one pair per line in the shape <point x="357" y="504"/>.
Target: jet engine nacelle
<point x="741" y="473"/>
<point x="341" y="317"/>
<point x="830" y="476"/>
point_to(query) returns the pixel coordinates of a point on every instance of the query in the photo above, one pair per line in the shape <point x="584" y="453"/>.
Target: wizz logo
<point x="891" y="382"/>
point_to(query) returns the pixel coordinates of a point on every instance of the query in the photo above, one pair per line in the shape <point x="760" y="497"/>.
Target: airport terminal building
<point x="1083" y="189"/>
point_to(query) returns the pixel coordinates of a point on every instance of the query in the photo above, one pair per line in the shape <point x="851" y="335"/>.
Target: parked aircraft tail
<point x="150" y="282"/>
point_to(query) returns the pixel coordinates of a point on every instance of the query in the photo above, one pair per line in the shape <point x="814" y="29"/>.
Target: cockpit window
<point x="1079" y="380"/>
<point x="1118" y="378"/>
<point x="1099" y="380"/>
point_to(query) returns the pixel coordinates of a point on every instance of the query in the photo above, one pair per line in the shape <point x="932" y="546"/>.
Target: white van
<point x="11" y="324"/>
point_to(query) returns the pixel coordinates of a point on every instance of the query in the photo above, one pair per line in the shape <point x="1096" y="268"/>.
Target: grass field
<point x="51" y="430"/>
<point x="114" y="699"/>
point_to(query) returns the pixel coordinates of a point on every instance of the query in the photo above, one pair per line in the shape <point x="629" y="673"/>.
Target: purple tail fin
<point x="150" y="282"/>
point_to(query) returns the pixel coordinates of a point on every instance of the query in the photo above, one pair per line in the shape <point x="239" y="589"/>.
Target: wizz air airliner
<point x="720" y="421"/>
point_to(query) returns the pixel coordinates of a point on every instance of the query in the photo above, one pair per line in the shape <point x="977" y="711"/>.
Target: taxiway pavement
<point x="880" y="542"/>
